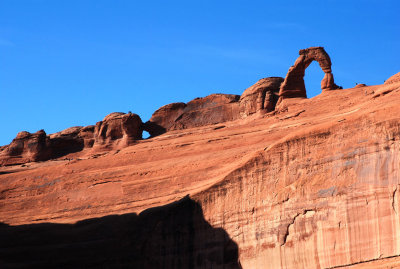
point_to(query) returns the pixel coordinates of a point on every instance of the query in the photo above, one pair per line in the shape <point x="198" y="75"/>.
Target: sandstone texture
<point x="118" y="128"/>
<point x="294" y="86"/>
<point x="262" y="96"/>
<point x="115" y="130"/>
<point x="393" y="79"/>
<point x="164" y="118"/>
<point x="26" y="147"/>
<point x="216" y="108"/>
<point x="314" y="184"/>
<point x="212" y="109"/>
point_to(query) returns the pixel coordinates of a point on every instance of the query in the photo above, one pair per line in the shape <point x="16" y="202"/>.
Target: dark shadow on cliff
<point x="171" y="236"/>
<point x="153" y="129"/>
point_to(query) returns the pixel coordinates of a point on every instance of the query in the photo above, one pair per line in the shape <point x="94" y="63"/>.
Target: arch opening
<point x="294" y="86"/>
<point x="312" y="79"/>
<point x="145" y="134"/>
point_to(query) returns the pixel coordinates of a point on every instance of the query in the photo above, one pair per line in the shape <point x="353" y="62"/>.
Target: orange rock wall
<point x="314" y="184"/>
<point x="320" y="198"/>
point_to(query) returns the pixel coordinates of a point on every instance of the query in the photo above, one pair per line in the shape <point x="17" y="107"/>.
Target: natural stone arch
<point x="293" y="85"/>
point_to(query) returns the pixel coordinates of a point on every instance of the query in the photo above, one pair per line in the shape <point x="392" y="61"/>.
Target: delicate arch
<point x="293" y="85"/>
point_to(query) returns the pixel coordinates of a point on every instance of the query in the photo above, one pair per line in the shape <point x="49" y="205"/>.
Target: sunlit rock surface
<point x="313" y="185"/>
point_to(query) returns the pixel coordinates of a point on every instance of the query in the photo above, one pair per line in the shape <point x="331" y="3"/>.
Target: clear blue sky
<point x="69" y="63"/>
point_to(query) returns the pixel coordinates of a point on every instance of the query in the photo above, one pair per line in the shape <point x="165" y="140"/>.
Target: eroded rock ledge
<point x="115" y="130"/>
<point x="118" y="130"/>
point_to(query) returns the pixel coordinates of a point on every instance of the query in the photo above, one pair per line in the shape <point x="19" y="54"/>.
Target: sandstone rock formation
<point x="263" y="95"/>
<point x="66" y="141"/>
<point x="212" y="109"/>
<point x="164" y="118"/>
<point x="393" y="79"/>
<point x="215" y="108"/>
<point x="360" y="85"/>
<point x="118" y="128"/>
<point x="26" y="147"/>
<point x="294" y="86"/>
<point x="314" y="185"/>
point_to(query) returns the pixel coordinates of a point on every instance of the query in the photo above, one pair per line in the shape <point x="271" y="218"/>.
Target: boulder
<point x="263" y="95"/>
<point x="212" y="109"/>
<point x="164" y="118"/>
<point x="26" y="147"/>
<point x="360" y="85"/>
<point x="118" y="128"/>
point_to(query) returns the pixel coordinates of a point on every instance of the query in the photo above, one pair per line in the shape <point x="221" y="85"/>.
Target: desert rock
<point x="212" y="109"/>
<point x="393" y="79"/>
<point x="26" y="147"/>
<point x="118" y="128"/>
<point x="263" y="95"/>
<point x="297" y="189"/>
<point x="293" y="85"/>
<point x="164" y="118"/>
<point x="314" y="185"/>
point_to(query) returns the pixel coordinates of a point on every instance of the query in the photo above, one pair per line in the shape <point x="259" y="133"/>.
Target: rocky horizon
<point x="267" y="179"/>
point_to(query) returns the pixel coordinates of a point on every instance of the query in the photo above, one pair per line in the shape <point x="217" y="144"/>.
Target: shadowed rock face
<point x="164" y="118"/>
<point x="294" y="86"/>
<point x="263" y="95"/>
<point x="170" y="236"/>
<point x="68" y="141"/>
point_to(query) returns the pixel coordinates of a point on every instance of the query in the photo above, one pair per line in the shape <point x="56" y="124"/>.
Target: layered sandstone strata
<point x="313" y="186"/>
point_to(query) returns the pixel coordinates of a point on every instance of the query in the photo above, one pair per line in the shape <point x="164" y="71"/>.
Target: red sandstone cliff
<point x="313" y="184"/>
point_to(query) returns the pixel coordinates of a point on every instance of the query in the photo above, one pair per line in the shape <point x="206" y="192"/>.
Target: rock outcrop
<point x="262" y="96"/>
<point x="293" y="85"/>
<point x="118" y="128"/>
<point x="212" y="109"/>
<point x="68" y="141"/>
<point x="393" y="79"/>
<point x="215" y="108"/>
<point x="313" y="186"/>
<point x="164" y="118"/>
<point x="26" y="147"/>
